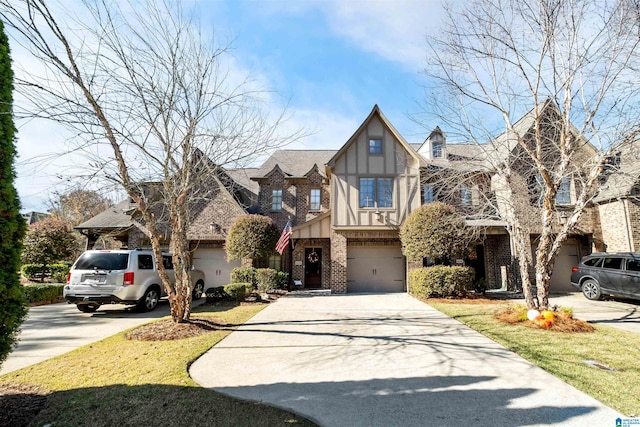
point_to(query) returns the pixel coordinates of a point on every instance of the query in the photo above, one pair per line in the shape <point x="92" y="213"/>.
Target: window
<point x="436" y="150"/>
<point x="615" y="263"/>
<point x="427" y="194"/>
<point x="376" y="192"/>
<point x="465" y="195"/>
<point x="563" y="196"/>
<point x="167" y="262"/>
<point x="276" y="200"/>
<point x="145" y="262"/>
<point x="633" y="264"/>
<point x="375" y="146"/>
<point x="592" y="262"/>
<point x="315" y="199"/>
<point x="275" y="262"/>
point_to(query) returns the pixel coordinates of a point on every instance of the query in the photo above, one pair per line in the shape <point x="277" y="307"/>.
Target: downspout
<point x="625" y="205"/>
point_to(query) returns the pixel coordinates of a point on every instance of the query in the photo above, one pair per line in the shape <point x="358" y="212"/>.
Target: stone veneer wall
<point x="297" y="271"/>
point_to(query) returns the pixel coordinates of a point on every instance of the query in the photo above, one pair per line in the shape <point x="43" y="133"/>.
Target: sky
<point x="332" y="59"/>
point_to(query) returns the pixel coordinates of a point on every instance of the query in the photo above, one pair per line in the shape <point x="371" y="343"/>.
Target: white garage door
<point x="217" y="271"/>
<point x="375" y="269"/>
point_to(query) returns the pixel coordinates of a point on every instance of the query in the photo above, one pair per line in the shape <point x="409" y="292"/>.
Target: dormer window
<point x="276" y="200"/>
<point x="436" y="150"/>
<point x="375" y="146"/>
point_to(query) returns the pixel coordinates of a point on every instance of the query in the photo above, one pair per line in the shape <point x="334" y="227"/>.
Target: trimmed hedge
<point x="238" y="291"/>
<point x="244" y="275"/>
<point x="43" y="293"/>
<point x="441" y="281"/>
<point x="267" y="279"/>
<point x="57" y="272"/>
<point x="282" y="279"/>
<point x="216" y="294"/>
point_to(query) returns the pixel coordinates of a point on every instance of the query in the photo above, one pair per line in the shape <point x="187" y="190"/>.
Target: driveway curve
<point x="387" y="360"/>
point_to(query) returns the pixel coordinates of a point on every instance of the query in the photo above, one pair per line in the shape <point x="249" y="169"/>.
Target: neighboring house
<point x="618" y="203"/>
<point x="346" y="207"/>
<point x="33" y="217"/>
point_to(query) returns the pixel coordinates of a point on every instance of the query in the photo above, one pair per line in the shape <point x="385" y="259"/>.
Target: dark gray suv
<point x="614" y="274"/>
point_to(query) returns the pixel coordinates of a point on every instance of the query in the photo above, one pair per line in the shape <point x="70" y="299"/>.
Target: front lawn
<point x="564" y="354"/>
<point x="121" y="382"/>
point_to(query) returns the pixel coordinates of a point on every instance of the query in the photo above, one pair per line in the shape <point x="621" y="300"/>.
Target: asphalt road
<point x="51" y="330"/>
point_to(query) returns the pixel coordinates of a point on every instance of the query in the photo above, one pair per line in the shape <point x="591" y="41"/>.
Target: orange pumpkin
<point x="542" y="322"/>
<point x="549" y="315"/>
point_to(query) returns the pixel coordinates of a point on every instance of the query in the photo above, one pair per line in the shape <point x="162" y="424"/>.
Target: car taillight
<point x="128" y="279"/>
<point x="574" y="269"/>
<point x="68" y="278"/>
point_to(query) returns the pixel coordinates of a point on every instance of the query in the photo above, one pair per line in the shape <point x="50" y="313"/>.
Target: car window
<point x="633" y="264"/>
<point x="168" y="263"/>
<point x="102" y="261"/>
<point x="592" y="262"/>
<point x="145" y="262"/>
<point x="614" y="263"/>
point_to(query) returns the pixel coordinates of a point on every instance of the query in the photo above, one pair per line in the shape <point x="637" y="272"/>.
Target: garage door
<point x="561" y="276"/>
<point x="375" y="269"/>
<point x="217" y="271"/>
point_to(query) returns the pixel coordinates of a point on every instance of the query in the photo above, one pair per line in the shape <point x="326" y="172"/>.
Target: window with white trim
<point x="276" y="200"/>
<point x="315" y="199"/>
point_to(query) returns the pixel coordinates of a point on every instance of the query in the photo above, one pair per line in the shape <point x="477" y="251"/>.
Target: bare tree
<point x="155" y="105"/>
<point x="560" y="77"/>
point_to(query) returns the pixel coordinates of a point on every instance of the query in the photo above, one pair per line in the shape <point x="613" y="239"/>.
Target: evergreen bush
<point x="441" y="281"/>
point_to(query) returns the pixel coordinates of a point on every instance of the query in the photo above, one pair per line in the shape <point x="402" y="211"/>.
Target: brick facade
<point x="298" y="254"/>
<point x="338" y="263"/>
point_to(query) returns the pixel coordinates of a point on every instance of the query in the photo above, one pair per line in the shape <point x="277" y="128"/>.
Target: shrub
<point x="237" y="291"/>
<point x="57" y="272"/>
<point x="251" y="237"/>
<point x="43" y="293"/>
<point x="244" y="275"/>
<point x="216" y="294"/>
<point x="441" y="281"/>
<point x="434" y="230"/>
<point x="282" y="280"/>
<point x="267" y="279"/>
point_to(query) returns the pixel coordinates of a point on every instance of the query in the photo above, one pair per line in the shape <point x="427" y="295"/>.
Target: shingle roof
<point x="626" y="175"/>
<point x="115" y="217"/>
<point x="295" y="163"/>
<point x="243" y="177"/>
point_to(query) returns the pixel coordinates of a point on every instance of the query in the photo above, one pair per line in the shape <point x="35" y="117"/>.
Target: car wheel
<point x="591" y="289"/>
<point x="88" y="308"/>
<point x="150" y="299"/>
<point x="198" y="289"/>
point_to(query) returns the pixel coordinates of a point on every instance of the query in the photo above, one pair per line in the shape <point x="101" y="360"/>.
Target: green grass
<point x="120" y="382"/>
<point x="564" y="354"/>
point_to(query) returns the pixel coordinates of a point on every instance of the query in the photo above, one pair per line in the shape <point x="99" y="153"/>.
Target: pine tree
<point x="12" y="225"/>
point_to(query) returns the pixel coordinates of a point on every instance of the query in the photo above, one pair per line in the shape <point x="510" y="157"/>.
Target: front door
<point x="313" y="267"/>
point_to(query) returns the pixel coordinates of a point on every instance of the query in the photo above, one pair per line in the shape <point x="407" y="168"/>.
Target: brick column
<point x="338" y="263"/>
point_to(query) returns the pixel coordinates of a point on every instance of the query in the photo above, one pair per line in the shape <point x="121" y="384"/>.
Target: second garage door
<point x="217" y="271"/>
<point x="375" y="269"/>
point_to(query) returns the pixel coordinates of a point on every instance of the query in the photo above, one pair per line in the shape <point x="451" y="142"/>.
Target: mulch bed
<point x="564" y="322"/>
<point x="19" y="404"/>
<point x="164" y="330"/>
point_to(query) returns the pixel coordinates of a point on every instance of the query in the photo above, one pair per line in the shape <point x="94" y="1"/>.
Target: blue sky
<point x="334" y="59"/>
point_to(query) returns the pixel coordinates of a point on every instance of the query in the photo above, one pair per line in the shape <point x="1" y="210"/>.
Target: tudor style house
<point x="346" y="207"/>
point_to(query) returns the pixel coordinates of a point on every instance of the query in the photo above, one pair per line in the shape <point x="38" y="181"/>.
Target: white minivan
<point x="120" y="277"/>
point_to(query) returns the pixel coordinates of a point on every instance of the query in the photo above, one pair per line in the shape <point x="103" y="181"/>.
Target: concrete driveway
<point x="54" y="329"/>
<point x="387" y="360"/>
<point x="621" y="314"/>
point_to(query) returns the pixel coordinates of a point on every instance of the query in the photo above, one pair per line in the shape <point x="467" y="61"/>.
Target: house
<point x="32" y="217"/>
<point x="346" y="207"/>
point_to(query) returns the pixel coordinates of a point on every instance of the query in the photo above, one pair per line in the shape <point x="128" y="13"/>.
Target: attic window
<point x="375" y="146"/>
<point x="436" y="150"/>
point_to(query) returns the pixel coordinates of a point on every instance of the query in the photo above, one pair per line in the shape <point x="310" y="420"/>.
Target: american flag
<point x="283" y="242"/>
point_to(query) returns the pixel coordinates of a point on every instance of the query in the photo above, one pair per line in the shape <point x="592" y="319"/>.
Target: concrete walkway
<point x="387" y="360"/>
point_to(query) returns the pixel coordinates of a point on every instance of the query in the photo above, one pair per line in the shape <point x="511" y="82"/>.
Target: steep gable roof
<point x="116" y="217"/>
<point x="295" y="163"/>
<point x="375" y="112"/>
